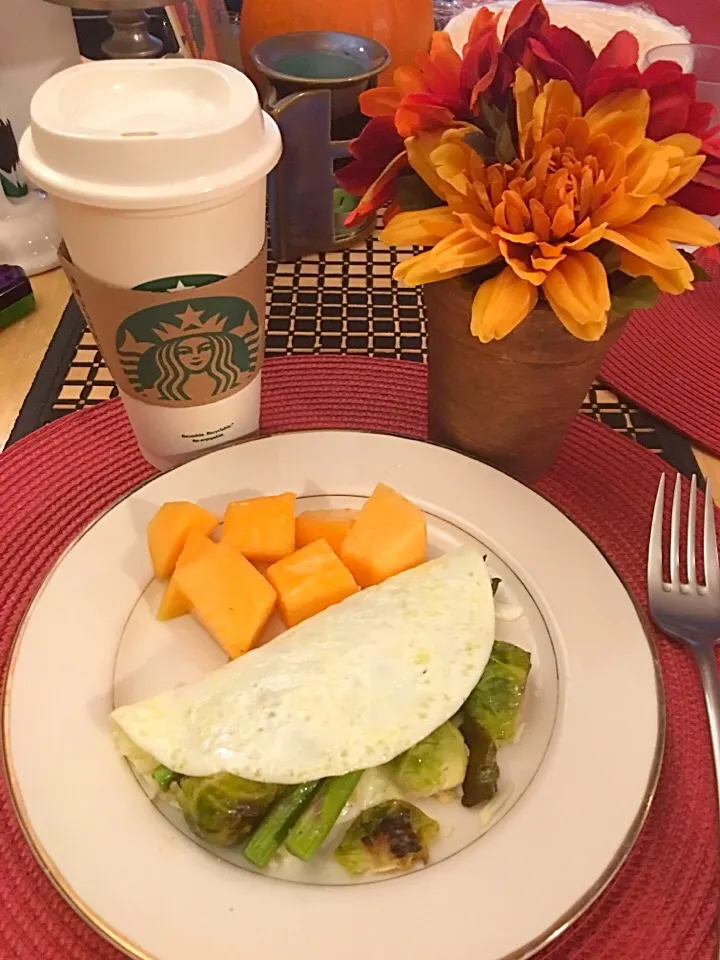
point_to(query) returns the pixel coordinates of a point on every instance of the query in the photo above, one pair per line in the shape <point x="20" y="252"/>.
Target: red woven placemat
<point x="668" y="358"/>
<point x="662" y="905"/>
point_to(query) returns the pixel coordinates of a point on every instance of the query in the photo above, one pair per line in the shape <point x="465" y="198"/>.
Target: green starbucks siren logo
<point x="193" y="349"/>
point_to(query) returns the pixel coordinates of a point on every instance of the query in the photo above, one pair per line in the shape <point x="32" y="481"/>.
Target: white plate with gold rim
<point x="575" y="788"/>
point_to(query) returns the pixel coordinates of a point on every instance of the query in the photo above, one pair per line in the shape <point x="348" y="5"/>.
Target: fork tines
<point x="708" y="545"/>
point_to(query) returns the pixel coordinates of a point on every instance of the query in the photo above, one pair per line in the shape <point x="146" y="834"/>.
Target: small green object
<point x="435" y="765"/>
<point x="504" y="147"/>
<point x="483" y="772"/>
<point x="700" y="274"/>
<point x="412" y="193"/>
<point x="13" y="186"/>
<point x="482" y="145"/>
<point x="272" y="832"/>
<point x="224" y="809"/>
<point x="628" y="294"/>
<point x="344" y="202"/>
<point x="164" y="777"/>
<point x="393" y="835"/>
<point x="497" y="697"/>
<point x="608" y="254"/>
<point x="16" y="311"/>
<point x="317" y="821"/>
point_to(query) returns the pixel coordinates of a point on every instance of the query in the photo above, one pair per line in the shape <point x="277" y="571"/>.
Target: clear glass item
<point x="698" y="58"/>
<point x="445" y="10"/>
<point x="704" y="61"/>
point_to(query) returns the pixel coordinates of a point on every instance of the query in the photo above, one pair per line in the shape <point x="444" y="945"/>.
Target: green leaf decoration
<point x="482" y="144"/>
<point x="493" y="117"/>
<point x="412" y="193"/>
<point x="638" y="293"/>
<point x="608" y="254"/>
<point x="504" y="146"/>
<point x="700" y="275"/>
<point x="12" y="188"/>
<point x="477" y="277"/>
<point x="344" y="202"/>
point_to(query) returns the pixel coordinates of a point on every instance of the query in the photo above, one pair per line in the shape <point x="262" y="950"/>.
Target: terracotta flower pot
<point x="509" y="402"/>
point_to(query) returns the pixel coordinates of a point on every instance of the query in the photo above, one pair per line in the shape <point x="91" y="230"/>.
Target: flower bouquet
<point x="550" y="187"/>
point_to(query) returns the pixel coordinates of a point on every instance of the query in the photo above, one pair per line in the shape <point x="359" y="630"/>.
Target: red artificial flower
<point x="702" y="195"/>
<point x="372" y="151"/>
<point x="562" y="54"/>
<point x="527" y="19"/>
<point x="615" y="68"/>
<point x="378" y="156"/>
<point x="479" y="61"/>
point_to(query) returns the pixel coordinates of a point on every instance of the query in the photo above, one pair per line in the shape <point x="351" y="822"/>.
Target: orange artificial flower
<point x="439" y="91"/>
<point x="577" y="179"/>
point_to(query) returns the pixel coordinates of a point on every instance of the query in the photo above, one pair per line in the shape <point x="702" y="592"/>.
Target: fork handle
<point x="705" y="657"/>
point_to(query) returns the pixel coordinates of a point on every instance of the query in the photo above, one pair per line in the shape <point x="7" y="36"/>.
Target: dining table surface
<point x="23" y="346"/>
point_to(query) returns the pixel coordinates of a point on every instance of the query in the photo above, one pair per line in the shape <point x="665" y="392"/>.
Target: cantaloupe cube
<point x="169" y="529"/>
<point x="228" y="596"/>
<point x="174" y="602"/>
<point x="389" y="536"/>
<point x="330" y="525"/>
<point x="310" y="580"/>
<point x="262" y="529"/>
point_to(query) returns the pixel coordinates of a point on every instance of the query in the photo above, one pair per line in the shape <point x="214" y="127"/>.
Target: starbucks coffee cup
<point x="157" y="171"/>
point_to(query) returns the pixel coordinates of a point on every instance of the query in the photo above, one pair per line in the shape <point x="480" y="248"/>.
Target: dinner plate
<point x="575" y="786"/>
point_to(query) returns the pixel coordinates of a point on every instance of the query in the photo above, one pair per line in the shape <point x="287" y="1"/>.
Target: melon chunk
<point x="262" y="529"/>
<point x="169" y="529"/>
<point x="231" y="599"/>
<point x="330" y="525"/>
<point x="174" y="602"/>
<point x="310" y="580"/>
<point x="389" y="536"/>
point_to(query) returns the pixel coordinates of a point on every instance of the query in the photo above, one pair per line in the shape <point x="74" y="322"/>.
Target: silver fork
<point x="690" y="611"/>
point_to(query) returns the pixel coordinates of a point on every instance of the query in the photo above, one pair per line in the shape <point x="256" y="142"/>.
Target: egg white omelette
<point x="348" y="689"/>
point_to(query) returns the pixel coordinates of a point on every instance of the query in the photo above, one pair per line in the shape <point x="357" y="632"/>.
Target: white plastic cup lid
<point x="148" y="134"/>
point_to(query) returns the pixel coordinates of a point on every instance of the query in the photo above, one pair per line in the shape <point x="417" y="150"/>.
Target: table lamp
<point x="129" y="21"/>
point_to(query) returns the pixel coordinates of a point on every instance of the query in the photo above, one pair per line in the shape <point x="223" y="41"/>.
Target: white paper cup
<point x="157" y="169"/>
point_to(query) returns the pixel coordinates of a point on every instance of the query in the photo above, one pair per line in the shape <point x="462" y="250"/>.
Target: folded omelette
<point x="348" y="689"/>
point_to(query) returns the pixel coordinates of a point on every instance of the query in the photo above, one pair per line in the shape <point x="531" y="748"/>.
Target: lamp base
<point x="131" y="38"/>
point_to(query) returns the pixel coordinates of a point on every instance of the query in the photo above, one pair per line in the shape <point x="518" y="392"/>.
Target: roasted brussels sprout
<point x="496" y="699"/>
<point x="223" y="809"/>
<point x="392" y="835"/>
<point x="434" y="765"/>
<point x="483" y="772"/>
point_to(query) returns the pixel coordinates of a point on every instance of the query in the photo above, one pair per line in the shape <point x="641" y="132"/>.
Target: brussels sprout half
<point x="496" y="699"/>
<point x="223" y="809"/>
<point x="434" y="765"/>
<point x="393" y="835"/>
